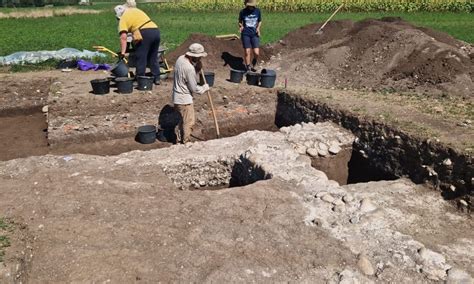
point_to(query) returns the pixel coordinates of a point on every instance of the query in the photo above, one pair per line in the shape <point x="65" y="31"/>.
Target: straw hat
<point x="196" y="50"/>
<point x="251" y="3"/>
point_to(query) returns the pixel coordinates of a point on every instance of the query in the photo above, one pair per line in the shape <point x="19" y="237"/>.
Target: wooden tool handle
<point x="333" y="14"/>
<point x="212" y="106"/>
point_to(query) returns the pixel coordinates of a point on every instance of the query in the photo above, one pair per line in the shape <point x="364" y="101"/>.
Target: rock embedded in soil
<point x="338" y="202"/>
<point x="365" y="265"/>
<point x="312" y="152"/>
<point x="300" y="149"/>
<point x="458" y="276"/>
<point x="447" y="162"/>
<point x="367" y="206"/>
<point x="347" y="198"/>
<point x="339" y="208"/>
<point x="328" y="198"/>
<point x="433" y="264"/>
<point x="323" y="153"/>
<point x="334" y="149"/>
<point x="323" y="146"/>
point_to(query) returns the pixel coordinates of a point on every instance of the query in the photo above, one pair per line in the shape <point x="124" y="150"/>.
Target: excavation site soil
<point x="356" y="167"/>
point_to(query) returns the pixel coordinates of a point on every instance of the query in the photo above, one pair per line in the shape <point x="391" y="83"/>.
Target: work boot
<point x="157" y="80"/>
<point x="254" y="62"/>
<point x="254" y="65"/>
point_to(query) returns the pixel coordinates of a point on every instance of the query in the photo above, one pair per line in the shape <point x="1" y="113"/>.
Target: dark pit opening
<point x="361" y="169"/>
<point x="215" y="175"/>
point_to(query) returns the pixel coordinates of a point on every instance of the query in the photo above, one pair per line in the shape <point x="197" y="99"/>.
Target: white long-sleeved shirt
<point x="185" y="82"/>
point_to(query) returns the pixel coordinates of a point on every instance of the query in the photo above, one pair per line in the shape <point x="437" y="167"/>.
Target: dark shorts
<point x="250" y="41"/>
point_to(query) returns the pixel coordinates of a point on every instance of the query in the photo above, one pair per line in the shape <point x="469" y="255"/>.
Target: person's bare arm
<point x="241" y="26"/>
<point x="258" y="28"/>
<point x="123" y="42"/>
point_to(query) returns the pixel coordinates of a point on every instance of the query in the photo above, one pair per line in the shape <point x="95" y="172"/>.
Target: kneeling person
<point x="184" y="86"/>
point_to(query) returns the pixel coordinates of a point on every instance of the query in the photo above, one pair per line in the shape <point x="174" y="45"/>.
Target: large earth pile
<point x="385" y="54"/>
<point x="221" y="52"/>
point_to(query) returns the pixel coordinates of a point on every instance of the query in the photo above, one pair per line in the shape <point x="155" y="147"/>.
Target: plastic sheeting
<point x="23" y="57"/>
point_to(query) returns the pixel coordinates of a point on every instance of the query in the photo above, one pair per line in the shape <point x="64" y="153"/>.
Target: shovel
<point x="212" y="106"/>
<point x="320" y="30"/>
<point x="105" y="49"/>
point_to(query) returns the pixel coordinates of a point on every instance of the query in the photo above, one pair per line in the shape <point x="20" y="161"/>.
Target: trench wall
<point x="387" y="148"/>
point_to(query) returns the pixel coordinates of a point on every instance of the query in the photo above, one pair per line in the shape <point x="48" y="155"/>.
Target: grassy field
<point x="84" y="31"/>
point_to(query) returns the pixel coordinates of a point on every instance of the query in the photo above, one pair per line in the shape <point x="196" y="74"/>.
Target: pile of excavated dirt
<point x="221" y="53"/>
<point x="386" y="54"/>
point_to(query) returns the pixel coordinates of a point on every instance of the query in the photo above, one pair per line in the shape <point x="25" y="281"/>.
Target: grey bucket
<point x="146" y="134"/>
<point x="253" y="78"/>
<point x="267" y="78"/>
<point x="145" y="83"/>
<point x="120" y="69"/>
<point x="124" y="85"/>
<point x="236" y="76"/>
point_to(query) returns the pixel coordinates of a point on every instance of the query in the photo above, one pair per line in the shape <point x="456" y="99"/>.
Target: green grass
<point x="84" y="31"/>
<point x="3" y="224"/>
<point x="4" y="240"/>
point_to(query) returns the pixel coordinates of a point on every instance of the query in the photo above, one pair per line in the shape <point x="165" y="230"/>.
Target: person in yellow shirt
<point x="132" y="19"/>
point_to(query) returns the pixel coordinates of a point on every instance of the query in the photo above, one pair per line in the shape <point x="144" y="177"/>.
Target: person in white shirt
<point x="184" y="86"/>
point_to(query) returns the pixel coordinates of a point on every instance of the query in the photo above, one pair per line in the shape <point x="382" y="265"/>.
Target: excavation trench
<point x="380" y="152"/>
<point x="31" y="138"/>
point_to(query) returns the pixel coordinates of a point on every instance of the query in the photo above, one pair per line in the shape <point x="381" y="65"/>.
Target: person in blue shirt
<point x="250" y="21"/>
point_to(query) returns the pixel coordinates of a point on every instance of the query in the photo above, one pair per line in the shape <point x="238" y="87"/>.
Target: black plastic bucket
<point x="100" y="86"/>
<point x="267" y="78"/>
<point x="120" y="69"/>
<point x="209" y="78"/>
<point x="146" y="134"/>
<point x="253" y="78"/>
<point x="236" y="76"/>
<point x="145" y="83"/>
<point x="124" y="85"/>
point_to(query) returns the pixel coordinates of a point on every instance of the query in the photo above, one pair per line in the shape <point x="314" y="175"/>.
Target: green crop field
<point x="85" y="30"/>
<point x="328" y="6"/>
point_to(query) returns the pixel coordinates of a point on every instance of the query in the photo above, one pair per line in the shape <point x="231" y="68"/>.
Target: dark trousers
<point x="146" y="52"/>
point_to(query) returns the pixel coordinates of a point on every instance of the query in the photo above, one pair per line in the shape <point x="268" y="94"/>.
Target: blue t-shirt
<point x="250" y="19"/>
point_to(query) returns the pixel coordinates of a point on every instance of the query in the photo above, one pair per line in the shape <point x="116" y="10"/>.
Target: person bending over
<point x="135" y="21"/>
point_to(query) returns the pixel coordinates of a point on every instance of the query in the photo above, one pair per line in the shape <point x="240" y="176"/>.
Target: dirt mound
<point x="385" y="54"/>
<point x="221" y="53"/>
